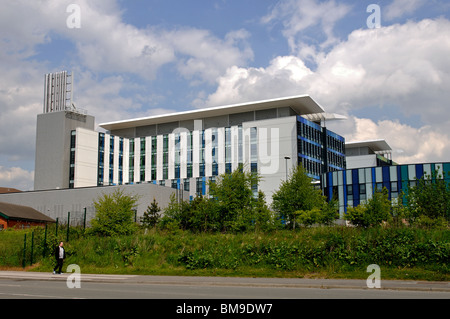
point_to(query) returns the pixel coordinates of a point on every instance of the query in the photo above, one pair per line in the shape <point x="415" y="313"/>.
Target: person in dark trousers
<point x="60" y="255"/>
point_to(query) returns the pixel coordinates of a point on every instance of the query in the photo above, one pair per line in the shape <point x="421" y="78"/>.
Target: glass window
<point x="189" y="170"/>
<point x="186" y="184"/>
<point x="379" y="187"/>
<point x="199" y="186"/>
<point x="349" y="190"/>
<point x="142" y="145"/>
<point x="362" y="188"/>
<point x="72" y="139"/>
<point x="215" y="169"/>
<point x="165" y="143"/>
<point x="202" y="169"/>
<point x="394" y="187"/>
<point x="154" y="144"/>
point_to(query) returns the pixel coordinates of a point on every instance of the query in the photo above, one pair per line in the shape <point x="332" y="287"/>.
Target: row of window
<point x="310" y="149"/>
<point x="311" y="167"/>
<point x="335" y="143"/>
<point x="72" y="159"/>
<point x="336" y="160"/>
<point x="165" y="155"/>
<point x="309" y="130"/>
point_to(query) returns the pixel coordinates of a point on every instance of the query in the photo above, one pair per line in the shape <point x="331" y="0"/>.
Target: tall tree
<point x="430" y="197"/>
<point x="233" y="195"/>
<point x="151" y="215"/>
<point x="296" y="194"/>
<point x="115" y="214"/>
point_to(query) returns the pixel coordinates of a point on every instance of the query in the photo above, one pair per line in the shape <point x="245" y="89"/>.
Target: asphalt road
<point x="111" y="296"/>
<point x="48" y="286"/>
<point x="120" y="290"/>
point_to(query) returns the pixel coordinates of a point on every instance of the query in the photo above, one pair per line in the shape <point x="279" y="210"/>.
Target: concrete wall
<point x="361" y="161"/>
<point x="277" y="138"/>
<point x="86" y="158"/>
<point x="52" y="161"/>
<point x="57" y="203"/>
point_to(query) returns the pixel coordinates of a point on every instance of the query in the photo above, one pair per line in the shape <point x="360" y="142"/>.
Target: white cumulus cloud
<point x="403" y="67"/>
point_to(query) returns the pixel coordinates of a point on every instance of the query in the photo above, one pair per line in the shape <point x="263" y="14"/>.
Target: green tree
<point x="429" y="197"/>
<point x="202" y="214"/>
<point x="231" y="206"/>
<point x="326" y="214"/>
<point x="114" y="214"/>
<point x="357" y="215"/>
<point x="297" y="194"/>
<point x="262" y="215"/>
<point x="329" y="212"/>
<point x="373" y="213"/>
<point x="175" y="214"/>
<point x="151" y="215"/>
<point x="308" y="217"/>
<point x="233" y="195"/>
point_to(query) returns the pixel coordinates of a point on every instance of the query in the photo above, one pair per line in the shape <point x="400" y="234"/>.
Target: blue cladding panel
<point x="399" y="178"/>
<point x="344" y="185"/>
<point x="355" y="182"/>
<point x="386" y="178"/>
<point x="330" y="184"/>
<point x="419" y="171"/>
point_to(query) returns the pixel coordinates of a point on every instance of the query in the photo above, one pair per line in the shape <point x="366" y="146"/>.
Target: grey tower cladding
<point x="53" y="137"/>
<point x="53" y="132"/>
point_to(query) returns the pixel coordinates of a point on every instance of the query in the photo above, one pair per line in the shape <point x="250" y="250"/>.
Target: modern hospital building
<point x="185" y="150"/>
<point x="181" y="153"/>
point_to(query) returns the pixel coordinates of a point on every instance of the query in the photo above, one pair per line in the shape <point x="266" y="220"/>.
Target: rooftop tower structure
<point x="53" y="132"/>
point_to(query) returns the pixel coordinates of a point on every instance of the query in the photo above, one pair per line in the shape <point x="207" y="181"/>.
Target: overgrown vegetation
<point x="234" y="232"/>
<point x="231" y="206"/>
<point x="299" y="202"/>
<point x="115" y="214"/>
<point x="401" y="252"/>
<point x="425" y="204"/>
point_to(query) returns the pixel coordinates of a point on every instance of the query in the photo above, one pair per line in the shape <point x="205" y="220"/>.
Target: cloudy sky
<point x="138" y="58"/>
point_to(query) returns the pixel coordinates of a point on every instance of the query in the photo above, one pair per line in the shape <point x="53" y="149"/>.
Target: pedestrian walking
<point x="60" y="255"/>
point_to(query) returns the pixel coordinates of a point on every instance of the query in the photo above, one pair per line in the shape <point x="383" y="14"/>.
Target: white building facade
<point x="188" y="150"/>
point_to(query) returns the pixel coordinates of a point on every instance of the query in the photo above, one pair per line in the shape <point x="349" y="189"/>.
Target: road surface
<point x="48" y="286"/>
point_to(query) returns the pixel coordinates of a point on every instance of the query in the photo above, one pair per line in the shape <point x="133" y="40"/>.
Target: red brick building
<point x="19" y="216"/>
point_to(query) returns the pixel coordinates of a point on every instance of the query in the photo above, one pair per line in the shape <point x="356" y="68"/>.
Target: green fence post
<point x="32" y="248"/>
<point x="56" y="231"/>
<point x="44" y="250"/>
<point x="68" y="225"/>
<point x="24" y="249"/>
<point x="84" y="219"/>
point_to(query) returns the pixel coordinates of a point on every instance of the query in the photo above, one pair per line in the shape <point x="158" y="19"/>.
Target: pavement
<point x="409" y="285"/>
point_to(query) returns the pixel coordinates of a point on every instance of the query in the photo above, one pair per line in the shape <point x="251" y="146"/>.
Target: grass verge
<point x="322" y="252"/>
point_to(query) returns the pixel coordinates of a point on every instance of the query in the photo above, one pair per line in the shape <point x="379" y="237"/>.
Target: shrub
<point x="430" y="197"/>
<point x="376" y="211"/>
<point x="151" y="215"/>
<point x="298" y="194"/>
<point x="114" y="214"/>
